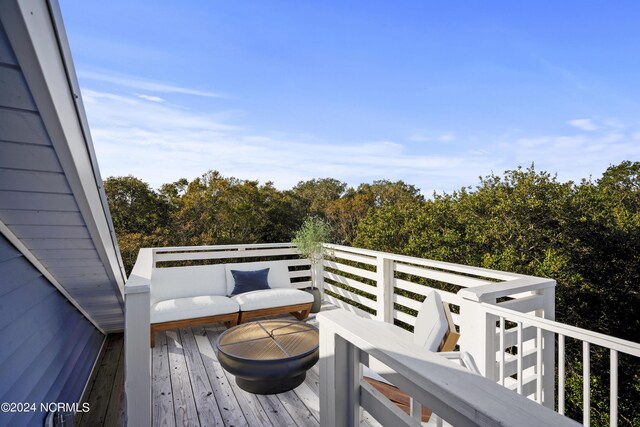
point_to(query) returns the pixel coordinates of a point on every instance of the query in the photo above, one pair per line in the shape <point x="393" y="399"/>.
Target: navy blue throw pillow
<point x="247" y="281"/>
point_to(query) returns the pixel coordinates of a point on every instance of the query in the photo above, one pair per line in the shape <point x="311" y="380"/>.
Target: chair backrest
<point x="434" y="329"/>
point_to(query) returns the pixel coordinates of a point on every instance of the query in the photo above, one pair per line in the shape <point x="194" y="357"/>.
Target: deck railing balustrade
<point x="506" y="320"/>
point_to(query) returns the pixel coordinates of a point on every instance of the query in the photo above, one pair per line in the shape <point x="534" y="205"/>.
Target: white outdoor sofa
<point x="199" y="295"/>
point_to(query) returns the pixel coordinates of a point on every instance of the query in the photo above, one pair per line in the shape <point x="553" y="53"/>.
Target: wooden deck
<point x="105" y="391"/>
<point x="190" y="388"/>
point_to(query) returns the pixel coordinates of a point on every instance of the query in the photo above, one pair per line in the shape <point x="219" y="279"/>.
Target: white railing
<point x="506" y="320"/>
<point x="390" y="287"/>
<point x="454" y="394"/>
<point x="498" y="313"/>
<point x="299" y="268"/>
<point x="525" y="327"/>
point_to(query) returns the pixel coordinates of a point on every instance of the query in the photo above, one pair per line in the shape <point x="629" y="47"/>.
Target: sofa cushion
<point x="278" y="273"/>
<point x="182" y="282"/>
<point x="257" y="300"/>
<point x="192" y="308"/>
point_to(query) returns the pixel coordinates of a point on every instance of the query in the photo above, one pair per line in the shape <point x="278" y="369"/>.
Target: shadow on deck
<point x="189" y="387"/>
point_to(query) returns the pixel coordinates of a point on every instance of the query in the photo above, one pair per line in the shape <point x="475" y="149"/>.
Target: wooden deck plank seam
<point x="197" y="355"/>
<point x="226" y="400"/>
<point x="179" y="360"/>
<point x="231" y="379"/>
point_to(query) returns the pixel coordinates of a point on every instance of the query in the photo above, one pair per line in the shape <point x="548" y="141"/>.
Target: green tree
<point x="346" y="213"/>
<point x="134" y="206"/>
<point x="586" y="236"/>
<point x="313" y="196"/>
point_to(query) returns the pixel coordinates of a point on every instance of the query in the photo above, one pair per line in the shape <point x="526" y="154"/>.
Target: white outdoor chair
<point x="435" y="331"/>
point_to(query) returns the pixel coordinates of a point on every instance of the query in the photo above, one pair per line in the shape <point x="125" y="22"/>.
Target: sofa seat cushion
<point x="192" y="308"/>
<point x="269" y="298"/>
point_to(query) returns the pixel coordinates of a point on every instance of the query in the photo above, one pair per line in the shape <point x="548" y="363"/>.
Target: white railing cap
<point x="493" y="291"/>
<point x="139" y="280"/>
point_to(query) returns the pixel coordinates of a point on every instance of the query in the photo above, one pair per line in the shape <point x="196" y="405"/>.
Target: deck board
<point x="249" y="403"/>
<point x="104" y="384"/>
<point x="162" y="400"/>
<point x="229" y="407"/>
<point x="190" y="387"/>
<point x="184" y="404"/>
<point x="115" y="409"/>
<point x="205" y="401"/>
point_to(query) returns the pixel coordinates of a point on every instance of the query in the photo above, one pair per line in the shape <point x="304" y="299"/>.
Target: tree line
<point x="585" y="235"/>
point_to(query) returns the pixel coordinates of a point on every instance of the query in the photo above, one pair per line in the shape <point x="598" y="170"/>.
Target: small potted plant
<point x="309" y="239"/>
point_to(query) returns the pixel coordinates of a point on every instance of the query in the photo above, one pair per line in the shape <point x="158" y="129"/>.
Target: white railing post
<point x="384" y="289"/>
<point x="327" y="363"/>
<point x="478" y="334"/>
<point x="137" y="351"/>
<point x="347" y="383"/>
<point x="549" y="349"/>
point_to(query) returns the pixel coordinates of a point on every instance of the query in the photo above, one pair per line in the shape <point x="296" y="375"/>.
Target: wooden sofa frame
<point x="229" y="320"/>
<point x="299" y="311"/>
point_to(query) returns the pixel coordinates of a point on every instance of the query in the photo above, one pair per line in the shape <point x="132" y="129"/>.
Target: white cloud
<point x="150" y="97"/>
<point x="572" y="157"/>
<point x="583" y="124"/>
<point x="143" y="84"/>
<point x="160" y="143"/>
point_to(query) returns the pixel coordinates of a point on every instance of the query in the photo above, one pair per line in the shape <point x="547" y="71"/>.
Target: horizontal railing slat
<point x="404" y="317"/>
<point x="350" y="282"/>
<point x="511" y="336"/>
<point x="511" y="362"/>
<point x="300" y="273"/>
<point x="222" y="247"/>
<point x="407" y="302"/>
<point x="528" y="384"/>
<point x="250" y="253"/>
<point x="524" y="305"/>
<point x="440" y="276"/>
<point x="350" y="295"/>
<point x="351" y="270"/>
<point x="424" y="290"/>
<point x="348" y="307"/>
<point x="353" y="257"/>
<point x="464" y="269"/>
<point x="296" y="262"/>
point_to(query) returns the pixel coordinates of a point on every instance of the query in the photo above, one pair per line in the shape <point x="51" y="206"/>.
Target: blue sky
<point x="435" y="94"/>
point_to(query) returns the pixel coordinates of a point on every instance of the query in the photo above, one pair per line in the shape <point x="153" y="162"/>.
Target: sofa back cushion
<point x="278" y="273"/>
<point x="183" y="282"/>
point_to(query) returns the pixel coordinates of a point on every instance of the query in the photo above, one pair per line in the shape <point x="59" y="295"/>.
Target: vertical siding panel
<point x="47" y="347"/>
